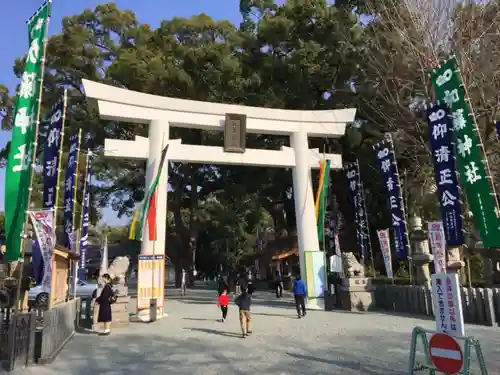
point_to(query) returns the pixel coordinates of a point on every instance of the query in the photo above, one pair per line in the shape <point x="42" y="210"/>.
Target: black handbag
<point x="113" y="298"/>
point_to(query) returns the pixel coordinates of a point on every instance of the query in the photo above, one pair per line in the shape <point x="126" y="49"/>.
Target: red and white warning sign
<point x="445" y="353"/>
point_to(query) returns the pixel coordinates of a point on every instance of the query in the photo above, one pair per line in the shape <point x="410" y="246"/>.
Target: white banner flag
<point x="438" y="245"/>
<point x="73" y="238"/>
<point x="385" y="246"/>
<point x="43" y="225"/>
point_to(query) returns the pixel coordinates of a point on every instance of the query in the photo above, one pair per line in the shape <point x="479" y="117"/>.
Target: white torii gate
<point x="161" y="113"/>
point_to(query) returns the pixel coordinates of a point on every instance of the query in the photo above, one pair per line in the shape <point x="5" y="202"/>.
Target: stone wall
<point x="480" y="305"/>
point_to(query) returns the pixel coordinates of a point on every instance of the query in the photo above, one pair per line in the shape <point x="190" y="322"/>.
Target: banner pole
<point x="367" y="226"/>
<point x="59" y="164"/>
<point x="18" y="305"/>
<point x="79" y="237"/>
<point x="75" y="184"/>
<point x="75" y="201"/>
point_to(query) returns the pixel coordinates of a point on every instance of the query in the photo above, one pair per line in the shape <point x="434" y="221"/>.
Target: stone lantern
<point x="421" y="256"/>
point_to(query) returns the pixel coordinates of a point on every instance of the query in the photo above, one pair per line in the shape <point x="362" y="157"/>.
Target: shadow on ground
<point x="127" y="354"/>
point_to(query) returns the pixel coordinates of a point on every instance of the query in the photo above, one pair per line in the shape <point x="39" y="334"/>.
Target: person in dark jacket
<point x="105" y="300"/>
<point x="243" y="280"/>
<point x="299" y="292"/>
<point x="278" y="284"/>
<point x="244" y="302"/>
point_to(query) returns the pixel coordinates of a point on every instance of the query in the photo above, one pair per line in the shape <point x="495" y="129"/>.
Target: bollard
<point x="153" y="303"/>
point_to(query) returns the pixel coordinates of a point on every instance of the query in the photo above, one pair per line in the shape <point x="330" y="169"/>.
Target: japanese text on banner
<point x="51" y="155"/>
<point x="387" y="166"/>
<point x="469" y="153"/>
<point x="440" y="137"/>
<point x="356" y="194"/>
<point x="69" y="186"/>
<point x="43" y="225"/>
<point x="82" y="269"/>
<point x="438" y="245"/>
<point x="25" y="114"/>
<point x="385" y="247"/>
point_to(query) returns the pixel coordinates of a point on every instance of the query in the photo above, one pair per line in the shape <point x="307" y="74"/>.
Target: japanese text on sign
<point x="448" y="304"/>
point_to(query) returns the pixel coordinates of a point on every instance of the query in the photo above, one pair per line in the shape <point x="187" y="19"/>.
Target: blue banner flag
<point x="386" y="163"/>
<point x="69" y="186"/>
<point x="440" y="138"/>
<point x="51" y="150"/>
<point x="84" y="234"/>
<point x="358" y="205"/>
<point x="51" y="155"/>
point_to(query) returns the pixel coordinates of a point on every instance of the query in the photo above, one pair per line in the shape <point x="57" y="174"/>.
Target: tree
<point x="296" y="55"/>
<point x="405" y="40"/>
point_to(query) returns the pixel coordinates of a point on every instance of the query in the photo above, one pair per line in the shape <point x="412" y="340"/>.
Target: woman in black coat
<point x="105" y="300"/>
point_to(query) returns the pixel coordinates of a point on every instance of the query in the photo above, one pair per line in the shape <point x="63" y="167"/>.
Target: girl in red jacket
<point x="223" y="303"/>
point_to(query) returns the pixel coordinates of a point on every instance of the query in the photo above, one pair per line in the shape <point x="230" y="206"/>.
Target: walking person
<point x="299" y="293"/>
<point x="223" y="303"/>
<point x="278" y="284"/>
<point x="183" y="282"/>
<point x="244" y="302"/>
<point x="243" y="280"/>
<point x="105" y="300"/>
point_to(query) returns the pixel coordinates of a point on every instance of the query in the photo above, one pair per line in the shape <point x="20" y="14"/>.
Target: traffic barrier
<point x="443" y="353"/>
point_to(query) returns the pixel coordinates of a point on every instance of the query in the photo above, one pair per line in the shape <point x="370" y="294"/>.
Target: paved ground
<point x="191" y="341"/>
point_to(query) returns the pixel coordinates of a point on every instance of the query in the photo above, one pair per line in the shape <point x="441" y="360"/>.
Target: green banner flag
<point x="323" y="201"/>
<point x="472" y="164"/>
<point x="19" y="167"/>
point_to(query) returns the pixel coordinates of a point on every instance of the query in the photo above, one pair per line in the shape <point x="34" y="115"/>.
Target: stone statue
<point x="118" y="270"/>
<point x="351" y="266"/>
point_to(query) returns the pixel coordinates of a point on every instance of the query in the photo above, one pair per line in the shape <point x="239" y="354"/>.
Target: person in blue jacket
<point x="299" y="292"/>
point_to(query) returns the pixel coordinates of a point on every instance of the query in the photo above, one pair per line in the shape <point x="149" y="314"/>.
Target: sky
<point x="14" y="38"/>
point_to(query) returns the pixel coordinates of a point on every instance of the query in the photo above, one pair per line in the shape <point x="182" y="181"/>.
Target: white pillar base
<point x="315" y="304"/>
<point x="144" y="317"/>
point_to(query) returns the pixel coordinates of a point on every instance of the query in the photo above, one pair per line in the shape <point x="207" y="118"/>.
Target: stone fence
<point x="480" y="305"/>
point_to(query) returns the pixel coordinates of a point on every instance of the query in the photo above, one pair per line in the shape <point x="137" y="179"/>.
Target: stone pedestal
<point x="357" y="294"/>
<point x="455" y="263"/>
<point x="119" y="311"/>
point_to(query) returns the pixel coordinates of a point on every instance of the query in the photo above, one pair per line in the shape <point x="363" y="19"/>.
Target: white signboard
<point x="438" y="245"/>
<point x="336" y="264"/>
<point x="337" y="246"/>
<point x="385" y="246"/>
<point x="447" y="302"/>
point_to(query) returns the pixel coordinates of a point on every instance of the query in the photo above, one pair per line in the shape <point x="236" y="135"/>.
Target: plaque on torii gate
<point x="235" y="129"/>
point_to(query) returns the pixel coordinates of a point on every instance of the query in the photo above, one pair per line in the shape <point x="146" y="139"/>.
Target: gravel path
<point x="191" y="341"/>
